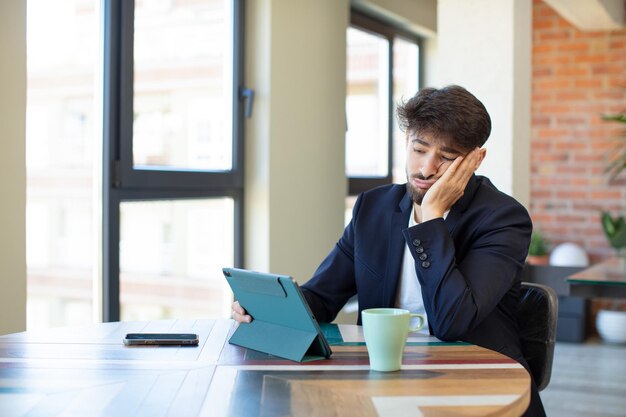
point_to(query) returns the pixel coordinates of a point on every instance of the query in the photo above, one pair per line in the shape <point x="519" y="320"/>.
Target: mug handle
<point x="419" y="326"/>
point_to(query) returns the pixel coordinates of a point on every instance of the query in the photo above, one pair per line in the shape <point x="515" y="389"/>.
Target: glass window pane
<point x="62" y="142"/>
<point x="367" y="107"/>
<point x="171" y="258"/>
<point x="183" y="83"/>
<point x="405" y="85"/>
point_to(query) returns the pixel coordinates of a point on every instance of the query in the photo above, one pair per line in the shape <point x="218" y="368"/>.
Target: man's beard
<point x="416" y="194"/>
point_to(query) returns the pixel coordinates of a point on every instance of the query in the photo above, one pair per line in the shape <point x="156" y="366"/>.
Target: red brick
<point x="552" y="84"/>
<point x="554" y="108"/>
<point x="607" y="69"/>
<point x="617" y="82"/>
<point x="571" y="121"/>
<point x="542" y="49"/>
<point x="592" y="108"/>
<point x="613" y="94"/>
<point x="570" y="169"/>
<point x="574" y="47"/>
<point x="562" y="23"/>
<point x="553" y="60"/>
<point x="570" y="146"/>
<point x="581" y="182"/>
<point x="588" y="84"/>
<point x="589" y="35"/>
<point x="552" y="157"/>
<point x="552" y="133"/>
<point x="542" y="71"/>
<point x="615" y="56"/>
<point x="572" y="71"/>
<point x="571" y="96"/>
<point x="606" y="195"/>
<point x="591" y="58"/>
<point x="572" y="219"/>
<point x="591" y="160"/>
<point x="579" y="195"/>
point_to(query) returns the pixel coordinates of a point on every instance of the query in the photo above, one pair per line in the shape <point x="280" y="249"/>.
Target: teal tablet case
<point x="282" y="324"/>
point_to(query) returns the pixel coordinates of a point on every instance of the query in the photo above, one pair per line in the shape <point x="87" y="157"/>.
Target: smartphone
<point x="184" y="339"/>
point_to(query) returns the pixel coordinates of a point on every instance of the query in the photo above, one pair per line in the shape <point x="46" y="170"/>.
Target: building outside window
<point x="171" y="244"/>
<point x="383" y="65"/>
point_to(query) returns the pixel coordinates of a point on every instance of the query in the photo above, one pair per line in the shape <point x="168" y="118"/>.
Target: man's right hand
<point x="449" y="188"/>
<point x="239" y="314"/>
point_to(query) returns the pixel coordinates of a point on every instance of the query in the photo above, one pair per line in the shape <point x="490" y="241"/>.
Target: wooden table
<point x="606" y="279"/>
<point x="86" y="371"/>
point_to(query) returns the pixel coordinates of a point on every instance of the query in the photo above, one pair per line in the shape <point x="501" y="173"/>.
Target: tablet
<point x="283" y="324"/>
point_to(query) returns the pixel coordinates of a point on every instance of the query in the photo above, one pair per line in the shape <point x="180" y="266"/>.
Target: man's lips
<point x="423" y="184"/>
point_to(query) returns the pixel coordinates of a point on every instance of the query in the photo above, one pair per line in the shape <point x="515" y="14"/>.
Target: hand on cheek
<point x="451" y="186"/>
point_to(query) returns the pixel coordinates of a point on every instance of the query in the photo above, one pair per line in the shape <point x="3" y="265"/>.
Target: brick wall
<point x="577" y="77"/>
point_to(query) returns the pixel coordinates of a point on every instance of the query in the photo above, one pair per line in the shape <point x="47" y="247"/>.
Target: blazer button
<point x="425" y="264"/>
<point x="419" y="250"/>
<point x="417" y="242"/>
<point x="423" y="257"/>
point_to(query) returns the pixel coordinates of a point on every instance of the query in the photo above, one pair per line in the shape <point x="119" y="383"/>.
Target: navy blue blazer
<point x="467" y="265"/>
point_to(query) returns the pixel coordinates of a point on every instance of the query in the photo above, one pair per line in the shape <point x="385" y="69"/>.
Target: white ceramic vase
<point x="611" y="326"/>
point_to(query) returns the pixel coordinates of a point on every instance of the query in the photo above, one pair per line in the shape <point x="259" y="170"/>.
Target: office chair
<point x="537" y="321"/>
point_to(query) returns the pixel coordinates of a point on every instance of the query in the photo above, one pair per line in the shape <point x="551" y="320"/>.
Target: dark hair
<point x="451" y="114"/>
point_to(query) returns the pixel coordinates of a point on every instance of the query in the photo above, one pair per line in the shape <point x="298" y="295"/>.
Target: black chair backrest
<point x="537" y="317"/>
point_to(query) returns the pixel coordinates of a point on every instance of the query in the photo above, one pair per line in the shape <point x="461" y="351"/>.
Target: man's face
<point x="427" y="159"/>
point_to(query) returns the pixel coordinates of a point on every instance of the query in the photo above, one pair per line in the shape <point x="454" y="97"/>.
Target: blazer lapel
<point x="395" y="250"/>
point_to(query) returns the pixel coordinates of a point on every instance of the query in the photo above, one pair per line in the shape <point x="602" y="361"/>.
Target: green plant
<point x="615" y="227"/>
<point x="615" y="230"/>
<point x="618" y="164"/>
<point x="538" y="245"/>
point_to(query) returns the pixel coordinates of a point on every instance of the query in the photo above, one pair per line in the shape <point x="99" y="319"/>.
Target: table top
<point x="88" y="371"/>
<point x="610" y="272"/>
<point x="605" y="279"/>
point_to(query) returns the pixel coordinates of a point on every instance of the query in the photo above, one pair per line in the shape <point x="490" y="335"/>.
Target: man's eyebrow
<point x="446" y="149"/>
<point x="421" y="142"/>
<point x="451" y="150"/>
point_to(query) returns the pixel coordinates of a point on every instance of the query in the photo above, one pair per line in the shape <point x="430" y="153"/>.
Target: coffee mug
<point x="385" y="331"/>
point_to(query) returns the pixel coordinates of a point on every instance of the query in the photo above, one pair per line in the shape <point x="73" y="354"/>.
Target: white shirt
<point x="409" y="295"/>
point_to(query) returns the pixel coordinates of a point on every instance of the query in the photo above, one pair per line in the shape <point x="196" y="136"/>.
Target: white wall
<point x="12" y="165"/>
<point x="295" y="163"/>
<point x="485" y="46"/>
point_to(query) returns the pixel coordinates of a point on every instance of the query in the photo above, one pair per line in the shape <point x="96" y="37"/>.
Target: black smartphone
<point x="184" y="339"/>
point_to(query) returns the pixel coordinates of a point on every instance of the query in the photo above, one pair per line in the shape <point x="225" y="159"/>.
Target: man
<point x="447" y="243"/>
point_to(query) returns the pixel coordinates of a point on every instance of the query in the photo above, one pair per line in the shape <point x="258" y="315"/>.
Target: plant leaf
<point x="608" y="225"/>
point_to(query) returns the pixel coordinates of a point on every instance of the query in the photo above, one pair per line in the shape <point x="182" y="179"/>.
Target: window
<point x="174" y="181"/>
<point x="382" y="70"/>
<point x="367" y="105"/>
<point x="149" y="184"/>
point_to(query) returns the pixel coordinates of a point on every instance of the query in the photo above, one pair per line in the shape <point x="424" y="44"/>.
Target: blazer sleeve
<point x="459" y="296"/>
<point x="334" y="282"/>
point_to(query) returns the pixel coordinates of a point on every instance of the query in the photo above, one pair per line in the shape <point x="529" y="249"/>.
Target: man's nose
<point x="429" y="167"/>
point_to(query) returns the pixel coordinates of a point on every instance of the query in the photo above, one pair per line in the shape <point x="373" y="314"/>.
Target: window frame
<point x="389" y="31"/>
<point x="121" y="182"/>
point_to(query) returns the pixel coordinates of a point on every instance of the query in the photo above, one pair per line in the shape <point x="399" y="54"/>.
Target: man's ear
<point x="482" y="152"/>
